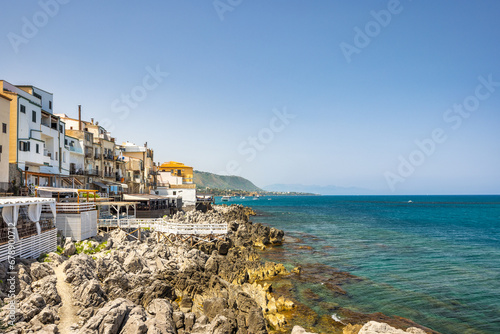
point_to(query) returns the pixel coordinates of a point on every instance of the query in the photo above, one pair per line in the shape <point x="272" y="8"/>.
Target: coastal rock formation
<point x="373" y="327"/>
<point x="157" y="287"/>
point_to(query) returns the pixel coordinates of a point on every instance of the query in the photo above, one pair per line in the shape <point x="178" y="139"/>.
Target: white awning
<point x="124" y="186"/>
<point x="12" y="201"/>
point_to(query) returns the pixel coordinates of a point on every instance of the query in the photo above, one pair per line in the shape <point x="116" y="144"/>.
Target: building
<point x="37" y="154"/>
<point x="140" y="170"/>
<point x="4" y="141"/>
<point x="96" y="162"/>
<point x="175" y="178"/>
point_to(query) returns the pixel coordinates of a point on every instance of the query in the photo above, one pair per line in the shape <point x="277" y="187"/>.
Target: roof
<point x="174" y="164"/>
<point x="11" y="201"/>
<point x="56" y="190"/>
<point x="5" y="97"/>
<point x="143" y="197"/>
<point x="63" y="190"/>
<point x="100" y="184"/>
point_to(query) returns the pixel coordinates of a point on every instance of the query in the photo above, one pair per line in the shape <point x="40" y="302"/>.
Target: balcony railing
<point x="76" y="171"/>
<point x="92" y="172"/>
<point x="74" y="207"/>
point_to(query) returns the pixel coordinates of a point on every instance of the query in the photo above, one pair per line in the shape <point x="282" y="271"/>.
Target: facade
<point x="37" y="154"/>
<point x="176" y="179"/>
<point x="140" y="171"/>
<point x="98" y="164"/>
<point x="4" y="141"/>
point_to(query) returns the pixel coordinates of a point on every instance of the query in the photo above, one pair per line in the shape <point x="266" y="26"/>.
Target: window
<point x="24" y="146"/>
<point x="4" y="127"/>
<point x="0" y="152"/>
<point x="23" y="109"/>
<point x="65" y="141"/>
<point x="64" y="156"/>
<point x="33" y="116"/>
<point x="50" y="105"/>
<point x="60" y="128"/>
<point x="56" y="155"/>
<point x="37" y="148"/>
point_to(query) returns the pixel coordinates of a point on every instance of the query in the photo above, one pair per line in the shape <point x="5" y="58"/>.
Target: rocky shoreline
<point x="117" y="284"/>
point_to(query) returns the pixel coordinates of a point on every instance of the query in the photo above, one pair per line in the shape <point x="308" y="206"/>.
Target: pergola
<point x="49" y="191"/>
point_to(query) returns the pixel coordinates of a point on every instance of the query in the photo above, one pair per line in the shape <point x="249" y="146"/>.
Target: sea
<point x="432" y="259"/>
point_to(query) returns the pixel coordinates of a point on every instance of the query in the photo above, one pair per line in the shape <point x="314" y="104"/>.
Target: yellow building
<point x="4" y="141"/>
<point x="178" y="169"/>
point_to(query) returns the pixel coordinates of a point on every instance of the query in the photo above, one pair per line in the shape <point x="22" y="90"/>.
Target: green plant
<point x="43" y="257"/>
<point x="59" y="250"/>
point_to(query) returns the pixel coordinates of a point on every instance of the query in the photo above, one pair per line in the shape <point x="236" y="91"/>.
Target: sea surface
<point x="434" y="260"/>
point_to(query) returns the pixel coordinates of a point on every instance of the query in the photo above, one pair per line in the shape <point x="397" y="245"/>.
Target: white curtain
<point x="10" y="215"/>
<point x="53" y="209"/>
<point x="34" y="213"/>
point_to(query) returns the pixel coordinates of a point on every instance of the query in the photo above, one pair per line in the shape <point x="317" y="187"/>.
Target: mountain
<point x="322" y="190"/>
<point x="214" y="181"/>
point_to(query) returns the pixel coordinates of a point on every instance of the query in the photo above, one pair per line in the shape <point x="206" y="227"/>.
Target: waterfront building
<point x="139" y="167"/>
<point x="4" y="141"/>
<point x="175" y="178"/>
<point x="101" y="168"/>
<point x="37" y="154"/>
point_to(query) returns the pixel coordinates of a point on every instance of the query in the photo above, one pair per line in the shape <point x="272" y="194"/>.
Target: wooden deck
<point x="168" y="230"/>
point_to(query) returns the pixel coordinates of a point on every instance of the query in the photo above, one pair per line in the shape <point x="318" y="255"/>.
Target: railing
<point x="91" y="172"/>
<point x="165" y="226"/>
<point x="75" y="207"/>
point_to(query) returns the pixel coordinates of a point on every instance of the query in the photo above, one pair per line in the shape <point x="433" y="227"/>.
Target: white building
<point x="37" y="137"/>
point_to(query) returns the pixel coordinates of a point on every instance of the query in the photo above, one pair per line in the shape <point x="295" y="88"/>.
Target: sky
<point x="398" y="97"/>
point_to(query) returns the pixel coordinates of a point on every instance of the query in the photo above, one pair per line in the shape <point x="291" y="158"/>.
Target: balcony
<point x="97" y="157"/>
<point x="108" y="157"/>
<point x="75" y="149"/>
<point x="46" y="153"/>
<point x="92" y="172"/>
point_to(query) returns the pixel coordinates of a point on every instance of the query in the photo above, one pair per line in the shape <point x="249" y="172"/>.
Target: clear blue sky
<point x="353" y="120"/>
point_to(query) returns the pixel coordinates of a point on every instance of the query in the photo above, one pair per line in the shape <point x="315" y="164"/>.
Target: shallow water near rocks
<point x="435" y="261"/>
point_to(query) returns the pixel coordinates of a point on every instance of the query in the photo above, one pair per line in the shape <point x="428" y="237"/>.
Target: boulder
<point x="90" y="294"/>
<point x="299" y="330"/>
<point x="40" y="270"/>
<point x="69" y="249"/>
<point x="373" y="327"/>
<point x="110" y="318"/>
<point x="49" y="329"/>
<point x="214" y="306"/>
<point x="189" y="321"/>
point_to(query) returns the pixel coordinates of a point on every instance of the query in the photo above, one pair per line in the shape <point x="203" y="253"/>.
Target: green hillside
<point x="214" y="181"/>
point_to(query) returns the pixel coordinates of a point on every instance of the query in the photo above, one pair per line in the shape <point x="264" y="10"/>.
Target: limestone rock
<point x="110" y="318"/>
<point x="299" y="330"/>
<point x="69" y="249"/>
<point x="373" y="327"/>
<point x="40" y="270"/>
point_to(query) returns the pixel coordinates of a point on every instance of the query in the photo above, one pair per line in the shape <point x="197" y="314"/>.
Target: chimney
<point x="79" y="118"/>
<point x="92" y="121"/>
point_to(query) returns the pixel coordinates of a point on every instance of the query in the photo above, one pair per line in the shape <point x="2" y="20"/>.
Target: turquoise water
<point x="435" y="261"/>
